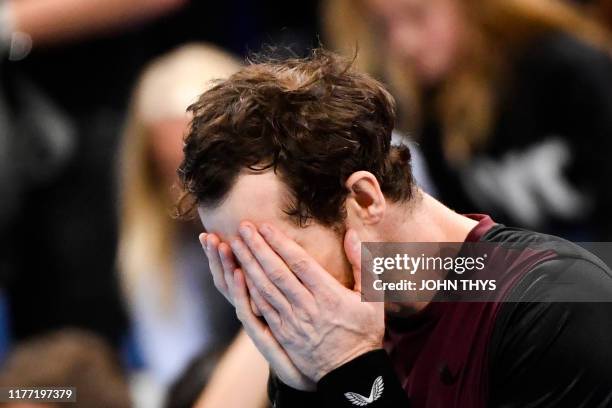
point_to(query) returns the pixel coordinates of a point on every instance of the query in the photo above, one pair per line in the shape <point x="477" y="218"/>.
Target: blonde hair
<point x="466" y="103"/>
<point x="165" y="90"/>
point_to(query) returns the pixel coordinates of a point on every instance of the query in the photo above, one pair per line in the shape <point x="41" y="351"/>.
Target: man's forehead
<point x="255" y="193"/>
<point x="257" y="197"/>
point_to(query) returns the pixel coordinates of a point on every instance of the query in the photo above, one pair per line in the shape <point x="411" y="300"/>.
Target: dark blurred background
<point x="507" y="106"/>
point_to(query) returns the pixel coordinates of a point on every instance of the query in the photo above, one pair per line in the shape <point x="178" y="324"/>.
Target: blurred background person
<point x="174" y="307"/>
<point x="515" y="95"/>
<point x="60" y="114"/>
<point x="68" y="358"/>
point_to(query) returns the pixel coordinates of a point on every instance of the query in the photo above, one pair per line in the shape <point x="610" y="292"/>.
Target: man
<point x="290" y="167"/>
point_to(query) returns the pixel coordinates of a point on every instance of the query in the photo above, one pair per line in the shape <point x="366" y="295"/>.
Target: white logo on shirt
<point x="375" y="393"/>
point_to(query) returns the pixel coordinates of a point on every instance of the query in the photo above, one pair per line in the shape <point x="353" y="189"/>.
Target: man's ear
<point x="365" y="202"/>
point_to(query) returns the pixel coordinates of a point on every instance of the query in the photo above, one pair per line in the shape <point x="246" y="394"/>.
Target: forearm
<point x="239" y="379"/>
<point x="56" y="21"/>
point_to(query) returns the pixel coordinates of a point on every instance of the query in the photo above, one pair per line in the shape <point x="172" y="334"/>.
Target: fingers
<point x="254" y="305"/>
<point x="297" y="259"/>
<point x="210" y="244"/>
<point x="267" y="289"/>
<point x="243" y="308"/>
<point x="274" y="267"/>
<point x="224" y="280"/>
<point x="257" y="330"/>
<point x="229" y="265"/>
<point x="263" y="307"/>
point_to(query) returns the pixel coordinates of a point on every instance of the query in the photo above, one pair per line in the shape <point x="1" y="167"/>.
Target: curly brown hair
<point x="313" y="120"/>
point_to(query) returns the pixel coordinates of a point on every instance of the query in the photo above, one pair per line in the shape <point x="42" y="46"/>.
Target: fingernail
<point x="265" y="230"/>
<point x="245" y="231"/>
<point x="235" y="245"/>
<point x="202" y="239"/>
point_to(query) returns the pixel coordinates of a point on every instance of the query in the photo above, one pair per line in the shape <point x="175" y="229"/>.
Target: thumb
<point x="352" y="249"/>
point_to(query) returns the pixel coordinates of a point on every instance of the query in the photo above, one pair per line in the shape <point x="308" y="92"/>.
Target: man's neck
<point x="426" y="220"/>
<point x="423" y="220"/>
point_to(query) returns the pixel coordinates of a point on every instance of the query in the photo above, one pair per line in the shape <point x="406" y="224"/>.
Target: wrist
<point x="298" y="388"/>
<point x="369" y="376"/>
<point x="303" y="384"/>
<point x="345" y="359"/>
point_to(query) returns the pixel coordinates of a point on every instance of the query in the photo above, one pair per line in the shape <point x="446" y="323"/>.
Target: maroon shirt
<point x="441" y="352"/>
<point x="546" y="345"/>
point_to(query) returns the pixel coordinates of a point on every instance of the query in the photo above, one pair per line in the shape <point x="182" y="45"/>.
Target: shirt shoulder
<point x="552" y="334"/>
